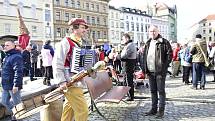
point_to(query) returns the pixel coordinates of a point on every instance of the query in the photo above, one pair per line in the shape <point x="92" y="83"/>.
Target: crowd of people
<point x="153" y="57"/>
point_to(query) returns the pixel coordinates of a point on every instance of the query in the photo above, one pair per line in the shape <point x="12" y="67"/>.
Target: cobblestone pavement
<point x="183" y="104"/>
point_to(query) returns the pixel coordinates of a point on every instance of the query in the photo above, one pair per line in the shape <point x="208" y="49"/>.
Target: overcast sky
<point x="189" y="11"/>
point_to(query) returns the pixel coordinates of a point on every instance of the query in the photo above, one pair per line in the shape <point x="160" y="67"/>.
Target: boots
<point x="160" y="113"/>
<point x="153" y="111"/>
<point x="46" y="82"/>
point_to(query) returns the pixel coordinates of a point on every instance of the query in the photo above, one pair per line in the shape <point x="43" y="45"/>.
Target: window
<point x="141" y="27"/>
<point x="73" y="15"/>
<point x="112" y="15"/>
<point x="92" y="6"/>
<point x="67" y="31"/>
<point x="33" y="11"/>
<point x="79" y="16"/>
<point x="58" y="32"/>
<point x="66" y="17"/>
<point x="204" y="31"/>
<point x="132" y="26"/>
<point x="57" y="16"/>
<point x="126" y="17"/>
<point x="204" y="38"/>
<point x="98" y="20"/>
<point x="127" y="26"/>
<point x="210" y="30"/>
<point x="94" y="34"/>
<point x="93" y="20"/>
<point x="58" y="2"/>
<point x="73" y="3"/>
<point x="112" y="24"/>
<point x="113" y="34"/>
<point x="88" y="19"/>
<point x="48" y="31"/>
<point x="99" y="34"/>
<point x="7" y="28"/>
<point x="209" y="24"/>
<point x="146" y="28"/>
<point x="117" y="16"/>
<point x="78" y="4"/>
<point x="210" y="38"/>
<point x="122" y="25"/>
<point x="117" y="25"/>
<point x="47" y="5"/>
<point x="132" y="18"/>
<point x="104" y="8"/>
<point x="105" y="21"/>
<point x="203" y="24"/>
<point x="34" y="31"/>
<point x="117" y="35"/>
<point x="6" y="6"/>
<point x="47" y="15"/>
<point x="97" y="8"/>
<point x="87" y="6"/>
<point x="66" y="2"/>
<point x="137" y="26"/>
<point x="105" y="34"/>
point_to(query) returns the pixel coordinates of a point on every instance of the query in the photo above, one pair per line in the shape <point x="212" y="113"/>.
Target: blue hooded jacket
<point x="12" y="70"/>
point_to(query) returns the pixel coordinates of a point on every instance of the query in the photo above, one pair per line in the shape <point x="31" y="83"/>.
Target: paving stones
<point x="183" y="104"/>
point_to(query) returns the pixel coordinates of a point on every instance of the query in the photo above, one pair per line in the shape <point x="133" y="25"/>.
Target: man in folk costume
<point x="75" y="105"/>
<point x="24" y="37"/>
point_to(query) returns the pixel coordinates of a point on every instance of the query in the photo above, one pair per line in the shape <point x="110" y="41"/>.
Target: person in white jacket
<point x="47" y="54"/>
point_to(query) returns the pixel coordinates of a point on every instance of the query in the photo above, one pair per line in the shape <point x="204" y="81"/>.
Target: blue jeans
<point x="157" y="86"/>
<point x="7" y="95"/>
<point x="199" y="74"/>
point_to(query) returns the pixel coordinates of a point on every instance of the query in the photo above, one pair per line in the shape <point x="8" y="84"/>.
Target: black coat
<point x="163" y="55"/>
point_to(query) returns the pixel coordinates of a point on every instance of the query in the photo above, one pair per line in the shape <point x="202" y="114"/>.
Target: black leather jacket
<point x="163" y="55"/>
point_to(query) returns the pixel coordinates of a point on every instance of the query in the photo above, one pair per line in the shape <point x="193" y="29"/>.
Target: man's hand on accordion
<point x="63" y="86"/>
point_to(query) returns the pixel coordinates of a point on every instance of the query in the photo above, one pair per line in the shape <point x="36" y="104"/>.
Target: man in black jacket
<point x="158" y="55"/>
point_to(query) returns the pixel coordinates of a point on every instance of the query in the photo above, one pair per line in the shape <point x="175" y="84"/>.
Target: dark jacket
<point x="163" y="55"/>
<point x="47" y="46"/>
<point x="12" y="70"/>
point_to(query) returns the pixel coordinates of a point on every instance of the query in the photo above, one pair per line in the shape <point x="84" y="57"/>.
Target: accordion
<point x="82" y="59"/>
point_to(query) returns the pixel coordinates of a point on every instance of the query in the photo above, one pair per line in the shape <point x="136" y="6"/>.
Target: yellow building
<point x="95" y="12"/>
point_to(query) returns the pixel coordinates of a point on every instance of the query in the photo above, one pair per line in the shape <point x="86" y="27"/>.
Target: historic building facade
<point x="95" y="12"/>
<point x="32" y="13"/>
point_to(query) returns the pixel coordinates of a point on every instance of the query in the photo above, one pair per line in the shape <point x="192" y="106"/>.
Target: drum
<point x="32" y="103"/>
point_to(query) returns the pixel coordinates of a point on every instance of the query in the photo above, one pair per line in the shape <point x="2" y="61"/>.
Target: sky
<point x="189" y="11"/>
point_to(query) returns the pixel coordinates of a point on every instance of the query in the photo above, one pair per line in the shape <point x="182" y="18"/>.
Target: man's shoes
<point x="48" y="83"/>
<point x="202" y="87"/>
<point x="160" y="113"/>
<point x="32" y="79"/>
<point x="151" y="112"/>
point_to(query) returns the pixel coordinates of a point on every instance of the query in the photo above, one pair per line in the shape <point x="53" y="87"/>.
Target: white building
<point x="162" y="25"/>
<point x="136" y="23"/>
<point x="205" y="27"/>
<point x="32" y="13"/>
<point x="48" y="26"/>
<point x="114" y="26"/>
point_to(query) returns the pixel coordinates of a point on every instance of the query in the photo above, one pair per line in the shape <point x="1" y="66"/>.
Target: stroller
<point x="139" y="78"/>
